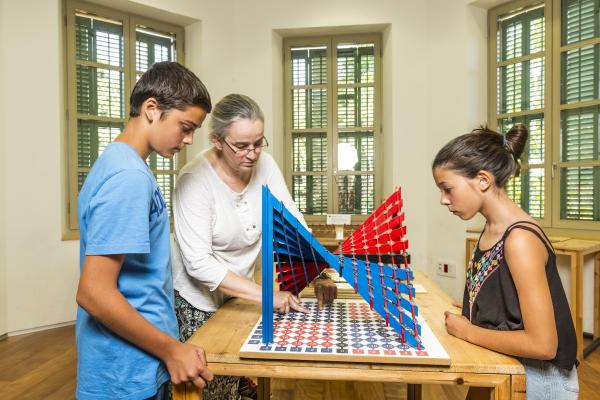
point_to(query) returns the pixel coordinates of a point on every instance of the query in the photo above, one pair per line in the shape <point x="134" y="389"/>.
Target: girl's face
<point x="462" y="196"/>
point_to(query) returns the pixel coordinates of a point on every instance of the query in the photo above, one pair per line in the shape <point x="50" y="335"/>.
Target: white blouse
<point x="217" y="229"/>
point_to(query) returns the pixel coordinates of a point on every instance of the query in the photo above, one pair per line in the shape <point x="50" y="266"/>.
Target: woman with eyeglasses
<point x="217" y="210"/>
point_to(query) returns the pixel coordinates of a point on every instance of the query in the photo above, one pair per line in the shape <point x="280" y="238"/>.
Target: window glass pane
<point x="521" y="86"/>
<point x="536" y="84"/>
<point x="310" y="193"/>
<point x="141" y="56"/>
<point x="309" y="65"/>
<point x="579" y="193"/>
<point x="355" y="63"/>
<point x="579" y="20"/>
<point x="356" y="151"/>
<point x="309" y="152"/>
<point x="521" y="34"/>
<point x="537" y="30"/>
<point x="299" y="104"/>
<point x="152" y="47"/>
<point x="98" y="41"/>
<point x="346" y="99"/>
<point x="309" y="108"/>
<point x="80" y="179"/>
<point x="100" y="92"/>
<point x="513" y="189"/>
<point x="356" y="194"/>
<point x="579" y="70"/>
<point x="534" y="151"/>
<point x="166" y="182"/>
<point x="317" y="104"/>
<point x="356" y="107"/>
<point x="92" y="139"/>
<point x="511" y="32"/>
<point x="510" y="88"/>
<point x="579" y="134"/>
<point x="535" y="195"/>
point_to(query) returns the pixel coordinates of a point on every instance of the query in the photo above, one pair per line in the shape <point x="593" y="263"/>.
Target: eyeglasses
<point x="247" y="149"/>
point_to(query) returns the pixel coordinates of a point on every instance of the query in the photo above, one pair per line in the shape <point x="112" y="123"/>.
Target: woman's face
<point x="460" y="194"/>
<point x="242" y="146"/>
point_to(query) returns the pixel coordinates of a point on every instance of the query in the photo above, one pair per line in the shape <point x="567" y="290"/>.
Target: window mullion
<point x="130" y="66"/>
<point x="332" y="204"/>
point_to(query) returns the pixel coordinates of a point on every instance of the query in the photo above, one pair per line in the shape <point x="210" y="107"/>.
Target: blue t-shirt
<point x="122" y="211"/>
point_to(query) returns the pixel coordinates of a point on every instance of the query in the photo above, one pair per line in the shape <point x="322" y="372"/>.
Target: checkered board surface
<point x="347" y="330"/>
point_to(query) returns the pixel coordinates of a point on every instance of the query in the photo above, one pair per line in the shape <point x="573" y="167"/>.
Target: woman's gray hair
<point x="230" y="109"/>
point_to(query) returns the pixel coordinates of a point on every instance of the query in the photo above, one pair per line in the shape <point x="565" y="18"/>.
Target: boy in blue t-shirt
<point x="127" y="345"/>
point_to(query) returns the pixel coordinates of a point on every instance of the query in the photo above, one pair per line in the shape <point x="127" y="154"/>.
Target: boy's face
<point x="461" y="195"/>
<point x="170" y="134"/>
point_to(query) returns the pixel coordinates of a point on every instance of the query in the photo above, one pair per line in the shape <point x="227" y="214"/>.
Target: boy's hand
<point x="325" y="291"/>
<point x="283" y="302"/>
<point x="457" y="325"/>
<point x="187" y="363"/>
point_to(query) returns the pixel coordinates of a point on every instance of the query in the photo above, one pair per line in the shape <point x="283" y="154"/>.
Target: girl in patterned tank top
<point x="514" y="301"/>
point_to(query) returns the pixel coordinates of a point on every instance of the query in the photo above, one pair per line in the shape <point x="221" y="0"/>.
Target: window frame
<point x="129" y="23"/>
<point x="551" y="110"/>
<point x="332" y="130"/>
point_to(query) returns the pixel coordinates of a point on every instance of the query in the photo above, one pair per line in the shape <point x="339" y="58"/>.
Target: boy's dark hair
<point x="484" y="149"/>
<point x="172" y="85"/>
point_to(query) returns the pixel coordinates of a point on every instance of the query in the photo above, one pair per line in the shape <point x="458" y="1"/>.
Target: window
<point x="579" y="155"/>
<point x="332" y="107"/>
<point x="107" y="51"/>
<point x="560" y="180"/>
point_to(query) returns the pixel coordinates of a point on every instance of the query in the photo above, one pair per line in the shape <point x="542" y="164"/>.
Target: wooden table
<point x="576" y="250"/>
<point x="223" y="335"/>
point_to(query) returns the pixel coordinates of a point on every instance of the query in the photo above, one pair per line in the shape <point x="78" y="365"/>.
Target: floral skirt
<point x="190" y="319"/>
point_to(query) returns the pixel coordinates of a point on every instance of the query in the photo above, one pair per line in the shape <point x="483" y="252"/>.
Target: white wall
<point x="434" y="88"/>
<point x="457" y="103"/>
<point x="3" y="96"/>
<point x="41" y="270"/>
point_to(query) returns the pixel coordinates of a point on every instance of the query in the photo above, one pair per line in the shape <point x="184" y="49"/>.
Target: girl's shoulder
<point x="526" y="241"/>
<point x="525" y="230"/>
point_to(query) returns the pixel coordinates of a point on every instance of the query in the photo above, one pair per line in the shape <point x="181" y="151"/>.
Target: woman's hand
<point x="325" y="291"/>
<point x="457" y="325"/>
<point x="283" y="302"/>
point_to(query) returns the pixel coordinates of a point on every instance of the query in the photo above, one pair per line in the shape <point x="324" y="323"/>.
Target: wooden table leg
<point x="574" y="303"/>
<point x="413" y="391"/>
<point x="186" y="392"/>
<point x="597" y="296"/>
<point x="579" y="308"/>
<point x="518" y="387"/>
<point x="264" y="388"/>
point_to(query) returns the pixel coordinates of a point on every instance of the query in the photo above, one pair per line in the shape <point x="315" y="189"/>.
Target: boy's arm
<point x="526" y="257"/>
<point x="99" y="295"/>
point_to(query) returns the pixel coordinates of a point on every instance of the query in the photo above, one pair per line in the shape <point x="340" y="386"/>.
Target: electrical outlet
<point x="446" y="269"/>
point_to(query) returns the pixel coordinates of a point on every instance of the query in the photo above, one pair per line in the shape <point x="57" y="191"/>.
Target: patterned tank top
<point x="491" y="301"/>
